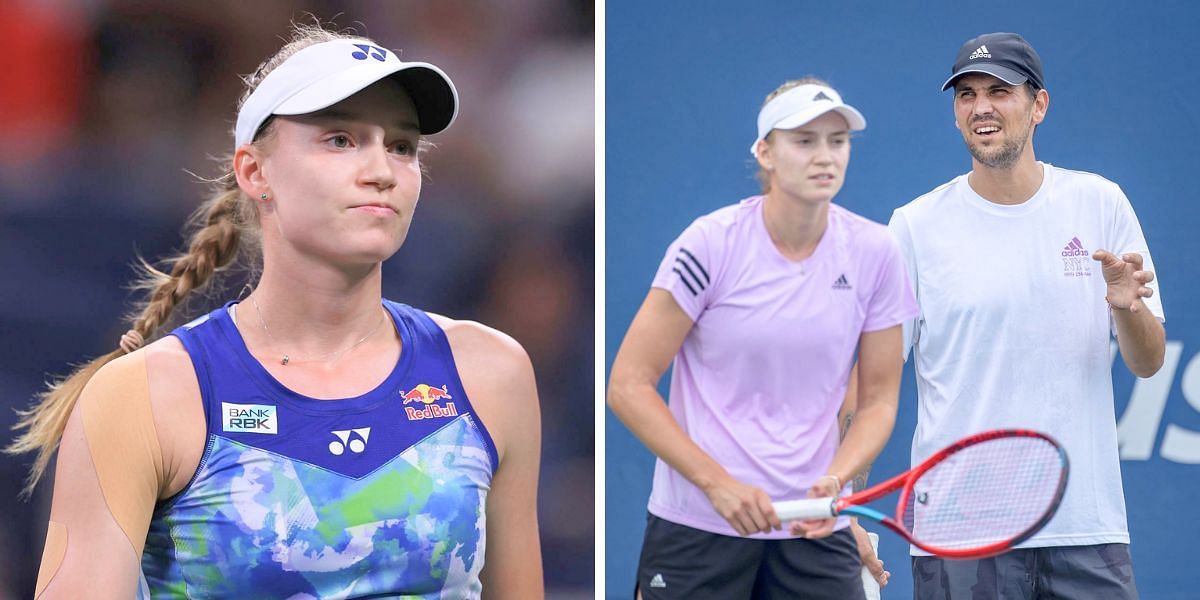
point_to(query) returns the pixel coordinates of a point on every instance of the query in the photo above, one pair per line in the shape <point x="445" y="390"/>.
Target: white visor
<point x="800" y="105"/>
<point x="324" y="74"/>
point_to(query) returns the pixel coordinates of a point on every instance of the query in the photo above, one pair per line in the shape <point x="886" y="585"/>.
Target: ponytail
<point x="213" y="246"/>
<point x="224" y="226"/>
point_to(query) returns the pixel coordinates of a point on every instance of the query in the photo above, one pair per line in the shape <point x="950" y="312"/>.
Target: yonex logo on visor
<point x="376" y="52"/>
<point x="800" y="105"/>
<point x="324" y="74"/>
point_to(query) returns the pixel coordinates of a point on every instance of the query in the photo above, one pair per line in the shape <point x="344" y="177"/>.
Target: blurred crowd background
<point x="109" y="109"/>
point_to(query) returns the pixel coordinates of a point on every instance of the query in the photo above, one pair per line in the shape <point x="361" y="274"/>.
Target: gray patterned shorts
<point x="1066" y="572"/>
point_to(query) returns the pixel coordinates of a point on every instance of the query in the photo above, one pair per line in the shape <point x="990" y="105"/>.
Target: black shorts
<point x="682" y="562"/>
<point x="1068" y="572"/>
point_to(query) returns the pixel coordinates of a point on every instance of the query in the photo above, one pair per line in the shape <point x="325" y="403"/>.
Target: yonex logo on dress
<point x="338" y="447"/>
<point x="980" y="52"/>
<point x="841" y="283"/>
<point x="657" y="581"/>
<point x="249" y="418"/>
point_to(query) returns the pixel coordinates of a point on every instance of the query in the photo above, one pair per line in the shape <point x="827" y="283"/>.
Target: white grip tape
<point x="811" y="508"/>
<point x="870" y="586"/>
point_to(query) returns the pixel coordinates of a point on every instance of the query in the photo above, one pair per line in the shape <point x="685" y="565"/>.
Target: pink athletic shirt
<point x="760" y="377"/>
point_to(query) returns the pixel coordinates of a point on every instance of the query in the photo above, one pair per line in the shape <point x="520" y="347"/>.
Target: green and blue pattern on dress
<point x="363" y="497"/>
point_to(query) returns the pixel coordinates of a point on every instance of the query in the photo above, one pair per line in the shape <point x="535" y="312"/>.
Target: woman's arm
<point x="845" y="418"/>
<point x="880" y="367"/>
<point x="866" y="551"/>
<point x="499" y="379"/>
<point x="653" y="339"/>
<point x="108" y="474"/>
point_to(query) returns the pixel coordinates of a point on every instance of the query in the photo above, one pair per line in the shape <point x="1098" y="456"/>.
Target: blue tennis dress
<point x="382" y="495"/>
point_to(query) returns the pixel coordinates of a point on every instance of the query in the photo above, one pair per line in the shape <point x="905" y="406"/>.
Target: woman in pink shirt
<point x="762" y="307"/>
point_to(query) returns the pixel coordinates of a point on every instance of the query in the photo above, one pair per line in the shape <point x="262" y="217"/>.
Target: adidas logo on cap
<point x="980" y="52"/>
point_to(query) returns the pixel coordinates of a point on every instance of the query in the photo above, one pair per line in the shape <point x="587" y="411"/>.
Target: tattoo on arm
<point x="859" y="482"/>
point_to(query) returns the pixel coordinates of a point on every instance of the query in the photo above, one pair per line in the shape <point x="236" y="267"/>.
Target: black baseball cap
<point x="1004" y="55"/>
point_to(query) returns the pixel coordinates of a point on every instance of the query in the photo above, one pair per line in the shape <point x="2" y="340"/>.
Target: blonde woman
<point x="760" y="307"/>
<point x="312" y="440"/>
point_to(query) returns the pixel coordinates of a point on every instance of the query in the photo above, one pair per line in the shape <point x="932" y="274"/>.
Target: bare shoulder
<point x="159" y="376"/>
<point x="172" y="378"/>
<point x="177" y="408"/>
<point x="164" y="360"/>
<point x="477" y="346"/>
<point x="498" y="377"/>
<point x="168" y="354"/>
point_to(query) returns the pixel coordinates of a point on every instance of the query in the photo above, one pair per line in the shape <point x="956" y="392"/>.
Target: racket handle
<point x="811" y="508"/>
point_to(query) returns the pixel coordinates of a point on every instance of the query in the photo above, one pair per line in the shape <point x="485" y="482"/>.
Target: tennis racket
<point x="977" y="498"/>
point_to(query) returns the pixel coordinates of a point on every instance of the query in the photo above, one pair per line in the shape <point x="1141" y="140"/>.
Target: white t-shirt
<point x="1014" y="330"/>
<point x="759" y="379"/>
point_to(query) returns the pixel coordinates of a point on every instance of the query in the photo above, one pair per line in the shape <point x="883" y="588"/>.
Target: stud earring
<point x="263" y="197"/>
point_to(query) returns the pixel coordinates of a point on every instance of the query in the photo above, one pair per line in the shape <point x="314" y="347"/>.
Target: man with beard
<point x="1021" y="270"/>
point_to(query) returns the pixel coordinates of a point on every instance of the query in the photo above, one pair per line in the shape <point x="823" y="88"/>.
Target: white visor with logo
<point x="324" y="74"/>
<point x="800" y="105"/>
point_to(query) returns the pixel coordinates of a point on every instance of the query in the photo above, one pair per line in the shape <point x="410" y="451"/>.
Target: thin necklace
<point x="287" y="358"/>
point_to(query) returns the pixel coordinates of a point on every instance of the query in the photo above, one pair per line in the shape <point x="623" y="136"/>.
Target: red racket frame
<point x="905" y="480"/>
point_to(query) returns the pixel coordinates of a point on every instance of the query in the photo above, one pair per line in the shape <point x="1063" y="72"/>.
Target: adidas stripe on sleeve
<point x="686" y="271"/>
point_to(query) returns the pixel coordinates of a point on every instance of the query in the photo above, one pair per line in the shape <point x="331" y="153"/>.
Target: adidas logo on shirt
<point x="1077" y="261"/>
<point x="980" y="52"/>
<point x="1074" y="248"/>
<point x="657" y="581"/>
<point x="841" y="283"/>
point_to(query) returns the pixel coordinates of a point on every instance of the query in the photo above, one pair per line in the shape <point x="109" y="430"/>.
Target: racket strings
<point x="986" y="493"/>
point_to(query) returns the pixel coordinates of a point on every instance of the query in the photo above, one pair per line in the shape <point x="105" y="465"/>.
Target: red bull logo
<point x="427" y="395"/>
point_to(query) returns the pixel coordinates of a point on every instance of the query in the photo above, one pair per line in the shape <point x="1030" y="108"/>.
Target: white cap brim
<point x="324" y="74"/>
<point x="853" y="118"/>
<point x="800" y="105"/>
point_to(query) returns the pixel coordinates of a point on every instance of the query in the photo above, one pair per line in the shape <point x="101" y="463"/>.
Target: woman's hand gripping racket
<point x="978" y="497"/>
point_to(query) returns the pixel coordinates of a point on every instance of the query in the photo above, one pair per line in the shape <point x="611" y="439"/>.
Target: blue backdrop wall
<point x="684" y="84"/>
